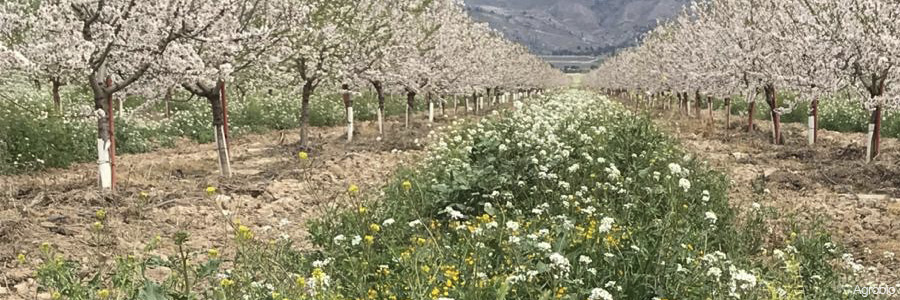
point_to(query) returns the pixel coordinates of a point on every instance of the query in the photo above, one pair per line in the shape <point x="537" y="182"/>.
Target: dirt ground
<point x="272" y="191"/>
<point x="828" y="182"/>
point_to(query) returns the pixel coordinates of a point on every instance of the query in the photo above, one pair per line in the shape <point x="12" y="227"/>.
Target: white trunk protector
<point x="430" y="112"/>
<point x="350" y="124"/>
<point x="380" y="122"/>
<point x="870" y="144"/>
<point x="812" y="130"/>
<point x="103" y="164"/>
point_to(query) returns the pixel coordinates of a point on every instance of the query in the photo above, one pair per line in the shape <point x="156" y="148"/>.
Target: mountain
<point x="590" y="27"/>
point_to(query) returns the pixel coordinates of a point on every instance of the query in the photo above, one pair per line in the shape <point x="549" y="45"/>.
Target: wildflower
<point x="711" y="216"/>
<point x="340" y="238"/>
<point x="374" y="227"/>
<point x="685" y="184"/>
<point x="97" y="226"/>
<point x="414" y="223"/>
<point x="714" y="272"/>
<point x="356" y="240"/>
<point x="212" y="253"/>
<point x="387" y="222"/>
<point x="606" y="224"/>
<point x="56" y="296"/>
<point x="369" y="239"/>
<point x="584" y="259"/>
<point x="300" y="281"/>
<point x="362" y="210"/>
<point x="544" y="246"/>
<point x="407" y="186"/>
<point x="675" y="169"/>
<point x="303" y="155"/>
<point x="559" y="261"/>
<point x="225" y="282"/>
<point x="210" y="190"/>
<point x="21" y="258"/>
<point x="103" y="294"/>
<point x="600" y="294"/>
<point x="243" y="232"/>
<point x="454" y="214"/>
<point x="100" y="214"/>
<point x="512" y="225"/>
<point x="353" y="190"/>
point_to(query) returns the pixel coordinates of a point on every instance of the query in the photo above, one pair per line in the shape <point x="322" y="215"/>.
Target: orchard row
<point x="814" y="49"/>
<point x="145" y="49"/>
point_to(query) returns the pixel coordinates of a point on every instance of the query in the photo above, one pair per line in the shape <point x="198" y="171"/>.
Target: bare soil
<point x="830" y="182"/>
<point x="272" y="191"/>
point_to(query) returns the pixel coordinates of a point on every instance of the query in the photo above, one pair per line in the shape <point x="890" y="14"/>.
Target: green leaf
<point x="152" y="291"/>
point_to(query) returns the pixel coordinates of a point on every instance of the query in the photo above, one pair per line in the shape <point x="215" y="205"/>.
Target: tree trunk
<point x="443" y="107"/>
<point x="727" y="113"/>
<point x="430" y="100"/>
<point x="874" y="134"/>
<point x="813" y="121"/>
<point x="698" y="106"/>
<point x="751" y="111"/>
<point x="106" y="147"/>
<point x="466" y="99"/>
<point x="379" y="91"/>
<point x="308" y="88"/>
<point x="54" y="90"/>
<point x="776" y="117"/>
<point x="216" y="102"/>
<point x="410" y="99"/>
<point x="348" y="110"/>
<point x="166" y="99"/>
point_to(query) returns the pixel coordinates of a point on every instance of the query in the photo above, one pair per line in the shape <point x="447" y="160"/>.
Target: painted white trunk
<point x="350" y="124"/>
<point x="812" y="130"/>
<point x="468" y="108"/>
<point x="105" y="169"/>
<point x="430" y="112"/>
<point x="870" y="143"/>
<point x="222" y="151"/>
<point x="380" y="122"/>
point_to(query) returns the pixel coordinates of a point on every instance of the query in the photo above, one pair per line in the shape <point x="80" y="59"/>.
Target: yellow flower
<point x="103" y="294"/>
<point x="561" y="292"/>
<point x="301" y="282"/>
<point x="421" y="241"/>
<point x="362" y="210"/>
<point x="211" y="190"/>
<point x="212" y="253"/>
<point x="21" y="258"/>
<point x="426" y="269"/>
<point x="144" y="195"/>
<point x="303" y="155"/>
<point x="56" y="296"/>
<point x="225" y="282"/>
<point x="435" y="292"/>
<point x="353" y="190"/>
<point x="243" y="232"/>
<point x="369" y="239"/>
<point x="276" y="295"/>
<point x="407" y="185"/>
<point x="98" y="226"/>
<point x="374" y="227"/>
<point x="100" y="214"/>
<point x="45" y="247"/>
<point x="372" y="294"/>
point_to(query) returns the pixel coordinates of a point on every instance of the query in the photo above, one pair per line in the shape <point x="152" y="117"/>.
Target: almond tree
<point x="114" y="43"/>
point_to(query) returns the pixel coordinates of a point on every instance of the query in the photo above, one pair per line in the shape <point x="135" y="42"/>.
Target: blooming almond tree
<point x="114" y="43"/>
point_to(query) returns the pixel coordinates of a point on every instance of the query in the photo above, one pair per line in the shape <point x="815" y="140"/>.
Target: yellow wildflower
<point x="407" y="185"/>
<point x="103" y="294"/>
<point x="100" y="214"/>
<point x="303" y="155"/>
<point x="225" y="282"/>
<point x="369" y="239"/>
<point x="212" y="253"/>
<point x="374" y="227"/>
<point x="353" y="190"/>
<point x="210" y="190"/>
<point x="21" y="258"/>
<point x="56" y="296"/>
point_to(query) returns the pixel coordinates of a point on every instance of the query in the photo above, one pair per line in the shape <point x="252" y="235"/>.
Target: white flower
<point x="387" y="222"/>
<point x="415" y="223"/>
<point x="606" y="224"/>
<point x="748" y="279"/>
<point x="559" y="261"/>
<point x="454" y="214"/>
<point x="356" y="240"/>
<point x="675" y="169"/>
<point x="705" y="197"/>
<point x="711" y="216"/>
<point x="339" y="239"/>
<point x="755" y="205"/>
<point x="512" y="225"/>
<point x="685" y="184"/>
<point x="585" y="259"/>
<point x="714" y="272"/>
<point x="544" y="246"/>
<point x="600" y="294"/>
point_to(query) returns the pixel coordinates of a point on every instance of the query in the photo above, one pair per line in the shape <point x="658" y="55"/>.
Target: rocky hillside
<point x="573" y="26"/>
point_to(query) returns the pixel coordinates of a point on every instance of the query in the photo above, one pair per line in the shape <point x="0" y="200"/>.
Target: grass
<point x="570" y="196"/>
